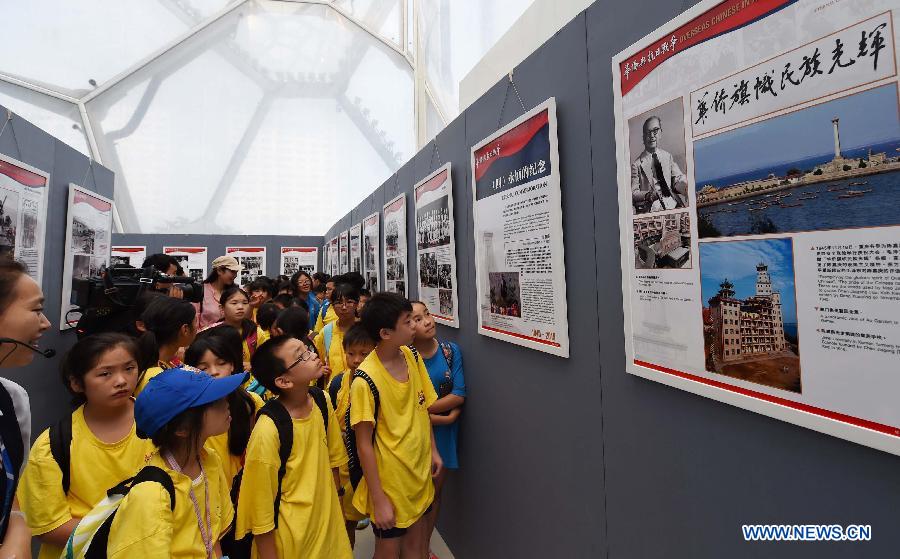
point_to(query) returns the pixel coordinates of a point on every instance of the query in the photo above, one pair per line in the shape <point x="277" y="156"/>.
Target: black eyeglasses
<point x="305" y="356"/>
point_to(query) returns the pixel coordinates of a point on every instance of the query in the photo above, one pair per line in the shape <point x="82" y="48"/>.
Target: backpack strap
<point x="318" y="396"/>
<point x="279" y="415"/>
<point x="15" y="447"/>
<point x="61" y="448"/>
<point x="327" y="333"/>
<point x="447" y="350"/>
<point x="415" y="352"/>
<point x="324" y="309"/>
<point x="354" y="465"/>
<point x="334" y="387"/>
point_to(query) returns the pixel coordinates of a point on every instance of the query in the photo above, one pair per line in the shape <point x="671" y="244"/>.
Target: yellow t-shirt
<point x="149" y="374"/>
<point x="335" y="360"/>
<point x="145" y="527"/>
<point x="95" y="467"/>
<point x="402" y="436"/>
<point x="330" y="316"/>
<point x="309" y="516"/>
<point x="230" y="464"/>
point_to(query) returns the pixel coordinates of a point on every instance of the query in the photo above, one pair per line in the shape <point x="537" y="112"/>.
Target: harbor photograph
<point x="835" y="165"/>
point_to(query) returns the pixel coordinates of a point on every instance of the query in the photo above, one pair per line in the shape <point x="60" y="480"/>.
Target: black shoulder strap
<point x="375" y="396"/>
<point x="12" y="440"/>
<point x="61" y="448"/>
<point x="447" y="350"/>
<point x="415" y="352"/>
<point x="318" y="396"/>
<point x="285" y="426"/>
<point x="100" y="541"/>
<point x="354" y="466"/>
<point x="334" y="387"/>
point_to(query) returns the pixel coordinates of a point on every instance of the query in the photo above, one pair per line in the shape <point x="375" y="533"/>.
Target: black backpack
<point x="61" y="448"/>
<point x="353" y="464"/>
<point x="15" y="447"/>
<point x="274" y="410"/>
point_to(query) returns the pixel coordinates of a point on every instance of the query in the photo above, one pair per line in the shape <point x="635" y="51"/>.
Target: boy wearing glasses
<point x="395" y="443"/>
<point x="309" y="522"/>
<point x="329" y="341"/>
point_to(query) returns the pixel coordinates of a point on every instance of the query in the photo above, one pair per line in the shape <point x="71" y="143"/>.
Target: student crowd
<point x="270" y="420"/>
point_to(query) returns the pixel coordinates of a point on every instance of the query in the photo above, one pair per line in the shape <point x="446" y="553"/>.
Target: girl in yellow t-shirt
<point x="213" y="353"/>
<point x="101" y="372"/>
<point x="169" y="324"/>
<point x="236" y="308"/>
<point x="179" y="410"/>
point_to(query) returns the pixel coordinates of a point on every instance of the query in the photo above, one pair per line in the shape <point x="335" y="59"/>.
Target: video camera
<point x="104" y="301"/>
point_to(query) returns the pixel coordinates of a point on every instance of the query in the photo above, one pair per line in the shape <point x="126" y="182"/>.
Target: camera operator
<point x="225" y="270"/>
<point x="22" y="322"/>
<point x="168" y="265"/>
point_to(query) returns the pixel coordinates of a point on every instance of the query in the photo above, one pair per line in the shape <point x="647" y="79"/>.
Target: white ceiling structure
<point x="244" y="116"/>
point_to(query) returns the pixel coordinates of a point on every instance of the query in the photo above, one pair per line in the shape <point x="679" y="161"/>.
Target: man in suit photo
<point x="657" y="182"/>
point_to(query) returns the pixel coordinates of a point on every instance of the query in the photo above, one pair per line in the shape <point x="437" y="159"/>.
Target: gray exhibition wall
<point x="575" y="457"/>
<point x="216" y="245"/>
<point x="27" y="143"/>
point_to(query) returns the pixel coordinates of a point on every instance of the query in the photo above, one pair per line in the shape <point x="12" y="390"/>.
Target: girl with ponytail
<point x="169" y="324"/>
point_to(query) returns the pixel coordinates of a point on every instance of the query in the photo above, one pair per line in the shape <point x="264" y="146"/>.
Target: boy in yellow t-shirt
<point x="396" y="449"/>
<point x="357" y="346"/>
<point x="329" y="341"/>
<point x="309" y="521"/>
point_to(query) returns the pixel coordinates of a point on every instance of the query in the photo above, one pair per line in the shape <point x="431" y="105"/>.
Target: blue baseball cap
<point x="176" y="390"/>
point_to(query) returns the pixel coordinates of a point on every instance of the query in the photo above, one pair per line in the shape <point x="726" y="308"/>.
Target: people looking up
<point x="395" y="444"/>
<point x="357" y="346"/>
<point x="169" y="324"/>
<point x="445" y="368"/>
<point x="225" y="270"/>
<point x="179" y="411"/>
<point x="21" y="319"/>
<point x="329" y="340"/>
<point x="98" y="441"/>
<point x="306" y="519"/>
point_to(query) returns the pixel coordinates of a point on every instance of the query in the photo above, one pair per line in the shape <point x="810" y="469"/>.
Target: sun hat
<point x="229" y="262"/>
<point x="176" y="390"/>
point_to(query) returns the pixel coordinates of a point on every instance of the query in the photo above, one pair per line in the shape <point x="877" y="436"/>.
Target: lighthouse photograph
<point x="835" y="165"/>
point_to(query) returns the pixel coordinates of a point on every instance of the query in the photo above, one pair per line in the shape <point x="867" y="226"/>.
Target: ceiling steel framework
<point x="414" y="59"/>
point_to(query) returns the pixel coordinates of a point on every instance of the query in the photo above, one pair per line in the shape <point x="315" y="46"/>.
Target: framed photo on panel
<point x="436" y="246"/>
<point x="395" y="275"/>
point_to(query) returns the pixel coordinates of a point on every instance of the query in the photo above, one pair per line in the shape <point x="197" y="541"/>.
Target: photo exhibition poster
<point x="371" y="261"/>
<point x="253" y="260"/>
<point x="88" y="236"/>
<point x="23" y="214"/>
<point x="133" y="256"/>
<point x="296" y="259"/>
<point x="356" y="248"/>
<point x="191" y="259"/>
<point x="343" y="251"/>
<point x="436" y="246"/>
<point x="395" y="245"/>
<point x="758" y="144"/>
<point x="520" y="270"/>
<point x="333" y="264"/>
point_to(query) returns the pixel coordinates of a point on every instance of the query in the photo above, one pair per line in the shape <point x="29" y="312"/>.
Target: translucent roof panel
<point x="455" y="35"/>
<point x="433" y="121"/>
<point x="384" y="17"/>
<point x="54" y="116"/>
<point x="71" y="44"/>
<point x="232" y="130"/>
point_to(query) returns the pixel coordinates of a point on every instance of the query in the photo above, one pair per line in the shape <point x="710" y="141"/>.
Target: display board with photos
<point x="356" y="248"/>
<point x="344" y="252"/>
<point x="371" y="242"/>
<point x="24" y="191"/>
<point x="296" y="259"/>
<point x="520" y="272"/>
<point x="253" y="261"/>
<point x="759" y="169"/>
<point x="436" y="246"/>
<point x="192" y="259"/>
<point x="87" y="248"/>
<point x="394" y="250"/>
<point x="133" y="256"/>
<point x="333" y="257"/>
